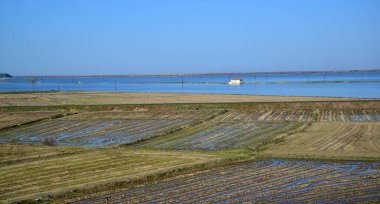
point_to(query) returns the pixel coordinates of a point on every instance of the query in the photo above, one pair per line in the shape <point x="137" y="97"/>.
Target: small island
<point x="5" y="75"/>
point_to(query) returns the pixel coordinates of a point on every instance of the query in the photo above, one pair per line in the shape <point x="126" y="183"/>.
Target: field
<point x="104" y="128"/>
<point x="84" y="168"/>
<point x="95" y="98"/>
<point x="252" y="129"/>
<point x="218" y="135"/>
<point x="11" y="153"/>
<point x="301" y="115"/>
<point x="263" y="182"/>
<point x="332" y="139"/>
<point x="19" y="118"/>
<point x="189" y="129"/>
<point x="325" y="151"/>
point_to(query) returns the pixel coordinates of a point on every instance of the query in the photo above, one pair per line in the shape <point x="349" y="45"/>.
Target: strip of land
<point x="99" y="98"/>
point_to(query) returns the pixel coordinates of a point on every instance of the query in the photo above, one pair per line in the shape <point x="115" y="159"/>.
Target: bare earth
<point x="96" y="98"/>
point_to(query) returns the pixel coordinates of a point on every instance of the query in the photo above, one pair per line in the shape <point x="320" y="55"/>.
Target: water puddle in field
<point x="347" y="170"/>
<point x="365" y="118"/>
<point x="264" y="181"/>
<point x="90" y="133"/>
<point x="224" y="135"/>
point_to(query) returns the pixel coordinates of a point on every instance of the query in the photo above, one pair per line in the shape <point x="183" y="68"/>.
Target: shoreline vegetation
<point x="84" y="147"/>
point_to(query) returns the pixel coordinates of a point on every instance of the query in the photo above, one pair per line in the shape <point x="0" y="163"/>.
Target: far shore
<point x="208" y="74"/>
<point x="107" y="98"/>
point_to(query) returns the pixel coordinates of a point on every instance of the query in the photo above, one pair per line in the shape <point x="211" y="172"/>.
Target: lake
<point x="365" y="84"/>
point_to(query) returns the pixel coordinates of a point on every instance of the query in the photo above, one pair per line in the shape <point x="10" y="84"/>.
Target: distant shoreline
<point x="226" y="83"/>
<point x="206" y="74"/>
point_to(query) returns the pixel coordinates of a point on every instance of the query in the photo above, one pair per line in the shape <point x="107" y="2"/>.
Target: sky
<point x="79" y="37"/>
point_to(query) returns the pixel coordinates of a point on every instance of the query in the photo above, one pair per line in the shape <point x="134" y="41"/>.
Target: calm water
<point x="339" y="85"/>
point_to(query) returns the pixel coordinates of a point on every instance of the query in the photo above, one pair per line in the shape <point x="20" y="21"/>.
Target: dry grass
<point x="345" y="139"/>
<point x="93" y="98"/>
<point x="18" y="118"/>
<point x="13" y="153"/>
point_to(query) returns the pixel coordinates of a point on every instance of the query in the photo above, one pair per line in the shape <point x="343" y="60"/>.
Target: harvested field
<point x="144" y="114"/>
<point x="239" y="129"/>
<point x="10" y="119"/>
<point x="83" y="170"/>
<point x="332" y="139"/>
<point x="301" y="115"/>
<point x="94" y="98"/>
<point x="316" y="130"/>
<point x="180" y="129"/>
<point x="263" y="182"/>
<point x="13" y="153"/>
<point x="218" y="135"/>
<point x="104" y="128"/>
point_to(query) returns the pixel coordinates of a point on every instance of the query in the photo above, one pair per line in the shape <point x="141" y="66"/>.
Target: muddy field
<point x="273" y="181"/>
<point x="191" y="153"/>
<point x="218" y="135"/>
<point x="104" y="128"/>
<point x="296" y="131"/>
<point x="350" y="131"/>
<point x="301" y="115"/>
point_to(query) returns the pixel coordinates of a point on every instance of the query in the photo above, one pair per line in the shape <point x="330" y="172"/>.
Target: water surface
<point x="366" y="85"/>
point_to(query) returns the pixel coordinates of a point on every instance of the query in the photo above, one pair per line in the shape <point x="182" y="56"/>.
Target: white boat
<point x="236" y="81"/>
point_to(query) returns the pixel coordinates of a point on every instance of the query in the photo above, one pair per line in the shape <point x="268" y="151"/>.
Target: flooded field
<point x="219" y="135"/>
<point x="274" y="181"/>
<point x="103" y="128"/>
<point x="302" y="115"/>
<point x="192" y="153"/>
<point x="241" y="129"/>
<point x="188" y="129"/>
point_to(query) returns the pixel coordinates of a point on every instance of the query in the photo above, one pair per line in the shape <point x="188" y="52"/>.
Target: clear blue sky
<point x="47" y="37"/>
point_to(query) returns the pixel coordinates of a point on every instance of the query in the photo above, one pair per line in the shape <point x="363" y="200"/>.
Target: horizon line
<point x="205" y="74"/>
